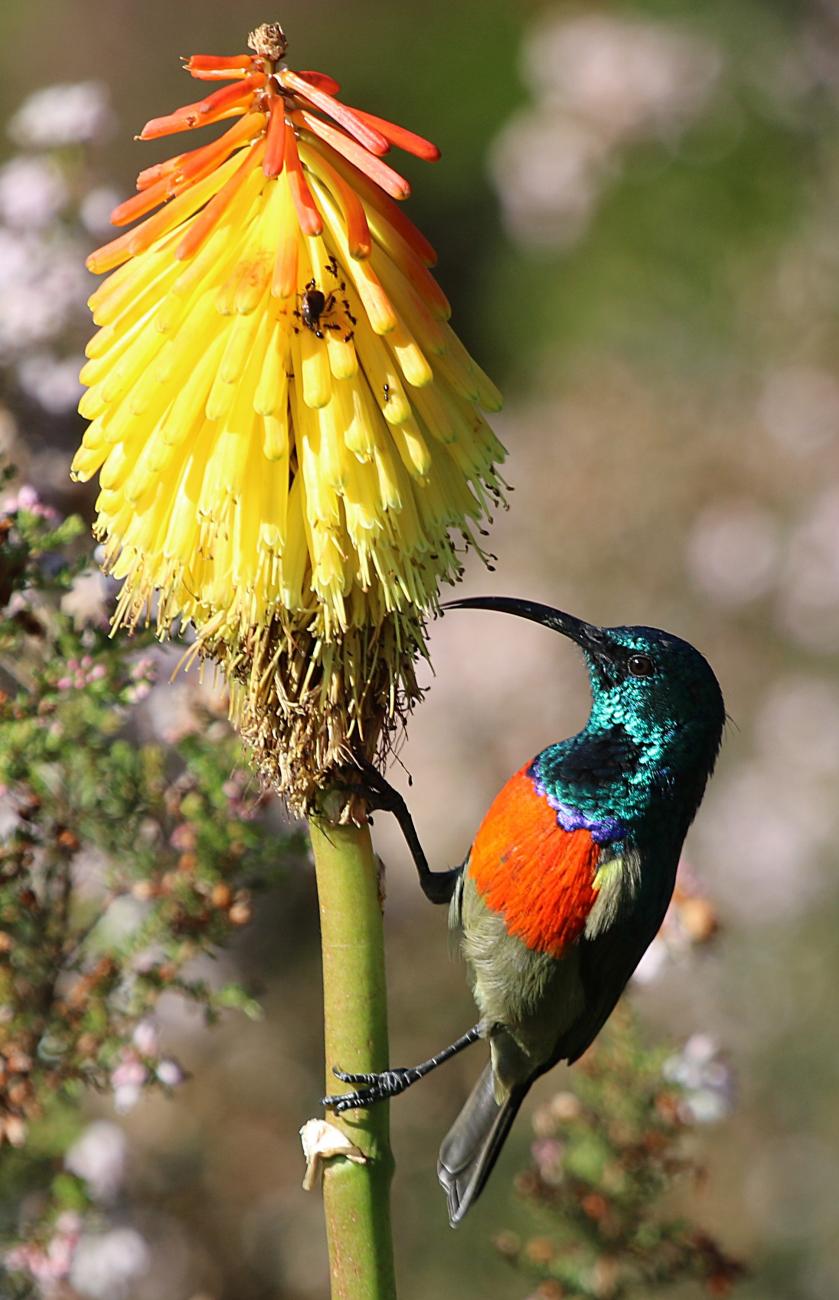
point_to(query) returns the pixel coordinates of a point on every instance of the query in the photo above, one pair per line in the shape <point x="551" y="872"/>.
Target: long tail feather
<point x="472" y="1145"/>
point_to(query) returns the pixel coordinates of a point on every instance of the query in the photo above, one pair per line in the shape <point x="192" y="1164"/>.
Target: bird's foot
<point x="377" y="1087"/>
<point x="368" y="783"/>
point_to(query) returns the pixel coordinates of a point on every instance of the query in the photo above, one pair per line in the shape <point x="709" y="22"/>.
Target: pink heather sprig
<point x="140" y="1065"/>
<point x="80" y="673"/>
<point x="51" y="1261"/>
<point x="26" y="499"/>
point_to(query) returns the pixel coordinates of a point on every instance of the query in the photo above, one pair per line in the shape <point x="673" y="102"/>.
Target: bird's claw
<point x="354" y="1078"/>
<point x="371" y="786"/>
<point x="351" y="1100"/>
<point x="378" y="1087"/>
<point x="380" y="788"/>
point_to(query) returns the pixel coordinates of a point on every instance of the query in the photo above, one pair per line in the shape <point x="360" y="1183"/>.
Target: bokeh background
<point x="636" y="214"/>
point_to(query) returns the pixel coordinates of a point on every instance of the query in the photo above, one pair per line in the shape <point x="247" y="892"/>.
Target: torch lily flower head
<point x="287" y="431"/>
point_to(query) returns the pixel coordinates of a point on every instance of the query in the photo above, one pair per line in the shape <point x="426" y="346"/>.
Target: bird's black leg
<point x="389" y="1083"/>
<point x="438" y="886"/>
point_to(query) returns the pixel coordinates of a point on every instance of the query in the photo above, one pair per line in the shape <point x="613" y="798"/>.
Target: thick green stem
<point x="356" y="1196"/>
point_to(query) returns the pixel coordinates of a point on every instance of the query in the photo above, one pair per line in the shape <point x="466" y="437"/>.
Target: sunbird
<point x="568" y="878"/>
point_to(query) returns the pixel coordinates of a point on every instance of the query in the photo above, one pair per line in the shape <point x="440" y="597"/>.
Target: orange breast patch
<point x="539" y="876"/>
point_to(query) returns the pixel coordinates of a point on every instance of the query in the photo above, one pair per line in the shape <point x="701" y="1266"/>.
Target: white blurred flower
<point x="51" y="381"/>
<point x="128" y="1080"/>
<point x="89" y="598"/>
<point x="760" y="851"/>
<point x="601" y="84"/>
<point x="701" y="1070"/>
<point x="799" y="407"/>
<point x="96" y="208"/>
<point x="28" y="315"/>
<point x="629" y="77"/>
<point x="173" y="709"/>
<point x="170" y="1073"/>
<point x="59" y="262"/>
<point x="145" y="1038"/>
<point x="14" y="257"/>
<point x="73" y="113"/>
<point x="32" y="192"/>
<point x="99" y="1157"/>
<point x="550" y="172"/>
<point x="107" y="1263"/>
<point x="733" y="552"/>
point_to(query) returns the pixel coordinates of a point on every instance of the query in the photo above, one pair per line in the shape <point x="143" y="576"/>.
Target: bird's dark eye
<point x="640" y="665"/>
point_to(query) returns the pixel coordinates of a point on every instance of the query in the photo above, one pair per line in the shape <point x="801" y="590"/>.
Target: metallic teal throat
<point x="603" y="830"/>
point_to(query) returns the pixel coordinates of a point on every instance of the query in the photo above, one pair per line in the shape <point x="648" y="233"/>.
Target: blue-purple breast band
<point x="603" y="830"/>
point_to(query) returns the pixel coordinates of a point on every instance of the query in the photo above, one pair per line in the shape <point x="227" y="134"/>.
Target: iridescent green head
<point x="652" y="686"/>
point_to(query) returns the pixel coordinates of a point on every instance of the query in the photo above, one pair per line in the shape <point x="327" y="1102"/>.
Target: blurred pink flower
<point x="127" y="1080"/>
<point x="49" y="1263"/>
<point x="26" y="498"/>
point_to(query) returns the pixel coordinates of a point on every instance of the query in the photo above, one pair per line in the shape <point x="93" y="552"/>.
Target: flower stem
<point x="356" y="1196"/>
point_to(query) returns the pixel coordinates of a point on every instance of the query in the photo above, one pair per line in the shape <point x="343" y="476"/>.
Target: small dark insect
<point x="314" y="304"/>
<point x="312" y="307"/>
<point x="387" y="393"/>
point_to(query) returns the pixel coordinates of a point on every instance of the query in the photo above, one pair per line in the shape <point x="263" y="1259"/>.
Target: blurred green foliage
<point x="605" y="1156"/>
<point x="93" y="818"/>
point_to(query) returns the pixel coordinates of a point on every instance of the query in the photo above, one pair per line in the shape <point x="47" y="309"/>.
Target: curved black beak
<point x="588" y="636"/>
